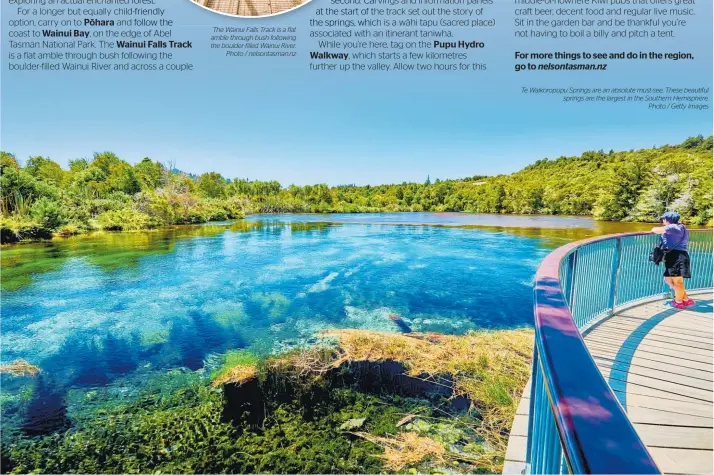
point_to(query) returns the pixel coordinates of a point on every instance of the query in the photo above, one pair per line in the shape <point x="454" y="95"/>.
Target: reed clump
<point x="489" y="368"/>
<point x="407" y="448"/>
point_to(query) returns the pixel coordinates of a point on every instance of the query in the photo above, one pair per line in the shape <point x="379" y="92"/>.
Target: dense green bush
<point x="105" y="193"/>
<point x="48" y="213"/>
<point x="13" y="229"/>
<point x="109" y="193"/>
<point x="125" y="219"/>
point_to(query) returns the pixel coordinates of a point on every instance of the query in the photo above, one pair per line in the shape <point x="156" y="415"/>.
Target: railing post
<point x="570" y="289"/>
<point x="614" y="276"/>
<point x="531" y="408"/>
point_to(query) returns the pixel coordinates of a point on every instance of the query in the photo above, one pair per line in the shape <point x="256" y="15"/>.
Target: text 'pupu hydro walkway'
<point x="621" y="382"/>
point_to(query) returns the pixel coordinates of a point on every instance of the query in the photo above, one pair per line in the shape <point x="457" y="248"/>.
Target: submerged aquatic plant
<point x="314" y="417"/>
<point x="182" y="431"/>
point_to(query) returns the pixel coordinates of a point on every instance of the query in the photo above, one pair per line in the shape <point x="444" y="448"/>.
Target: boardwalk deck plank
<point x="661" y="328"/>
<point x="523" y="406"/>
<point x="675" y="437"/>
<point x="662" y="372"/>
<point x="679" y="322"/>
<point x="649" y="355"/>
<point x="666" y="386"/>
<point x="621" y="325"/>
<point x="682" y="342"/>
<point x="646" y="415"/>
<point x="520" y="425"/>
<point x="683" y="460"/>
<point x="516" y="451"/>
<point x="645" y="346"/>
<point x="644" y="312"/>
<point x="630" y="388"/>
<point x="701" y="409"/>
<point x="669" y="375"/>
<point x="669" y="367"/>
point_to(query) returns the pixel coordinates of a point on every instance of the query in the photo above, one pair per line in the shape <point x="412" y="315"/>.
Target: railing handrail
<point x="595" y="433"/>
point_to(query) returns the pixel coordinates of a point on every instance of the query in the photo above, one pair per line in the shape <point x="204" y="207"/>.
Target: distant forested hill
<point x="637" y="185"/>
<point x="41" y="198"/>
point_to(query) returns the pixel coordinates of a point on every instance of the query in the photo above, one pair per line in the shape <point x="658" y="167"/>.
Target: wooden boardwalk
<point x="658" y="361"/>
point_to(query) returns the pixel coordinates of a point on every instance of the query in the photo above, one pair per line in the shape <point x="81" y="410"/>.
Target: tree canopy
<point x="106" y="192"/>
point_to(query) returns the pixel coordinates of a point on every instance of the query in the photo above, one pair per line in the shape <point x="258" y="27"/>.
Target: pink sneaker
<point x="689" y="303"/>
<point x="679" y="305"/>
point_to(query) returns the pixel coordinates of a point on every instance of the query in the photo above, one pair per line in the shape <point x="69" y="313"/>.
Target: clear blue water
<point x="89" y="310"/>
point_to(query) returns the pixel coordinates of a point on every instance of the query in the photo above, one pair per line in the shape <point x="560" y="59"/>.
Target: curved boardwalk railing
<point x="576" y="423"/>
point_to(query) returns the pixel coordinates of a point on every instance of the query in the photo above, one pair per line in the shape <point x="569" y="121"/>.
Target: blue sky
<point x="265" y="118"/>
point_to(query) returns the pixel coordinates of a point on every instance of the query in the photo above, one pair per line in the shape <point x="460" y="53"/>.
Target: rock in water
<point x="400" y="323"/>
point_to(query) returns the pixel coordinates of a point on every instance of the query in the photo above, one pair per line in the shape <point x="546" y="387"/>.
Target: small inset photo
<point x="250" y="8"/>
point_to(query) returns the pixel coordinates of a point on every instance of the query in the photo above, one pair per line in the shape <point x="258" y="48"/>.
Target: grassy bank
<point x="359" y="402"/>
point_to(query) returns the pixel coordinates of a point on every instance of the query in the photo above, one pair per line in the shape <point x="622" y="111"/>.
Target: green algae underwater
<point x="315" y="410"/>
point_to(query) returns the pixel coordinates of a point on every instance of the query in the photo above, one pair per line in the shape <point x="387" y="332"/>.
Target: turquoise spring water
<point x="92" y="310"/>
